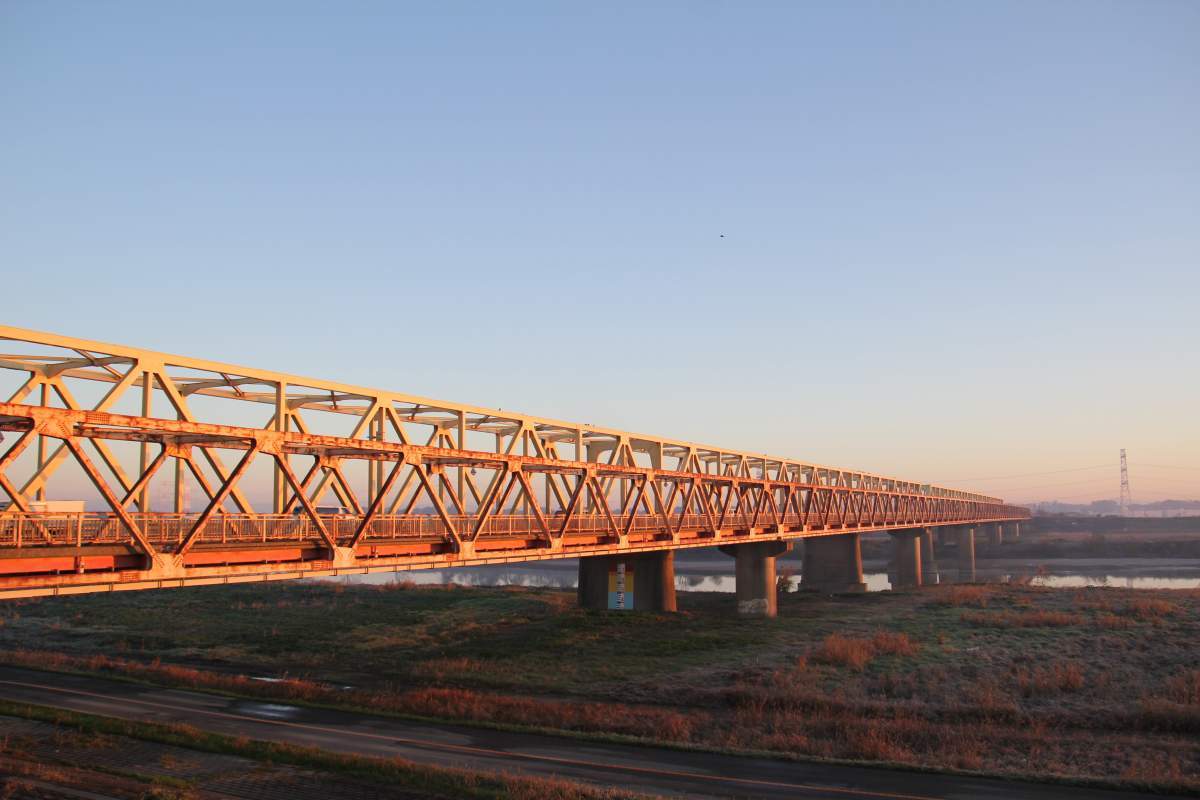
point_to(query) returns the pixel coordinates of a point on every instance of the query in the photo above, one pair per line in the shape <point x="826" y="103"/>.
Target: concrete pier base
<point x="756" y="579"/>
<point x="929" y="565"/>
<point x="966" y="554"/>
<point x="906" y="547"/>
<point x="641" y="582"/>
<point x="832" y="564"/>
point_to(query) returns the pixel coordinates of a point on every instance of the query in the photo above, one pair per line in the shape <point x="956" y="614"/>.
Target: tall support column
<point x="654" y="581"/>
<point x="945" y="535"/>
<point x="907" y="548"/>
<point x="756" y="578"/>
<point x="593" y="581"/>
<point x="929" y="567"/>
<point x="1015" y="530"/>
<point x="995" y="535"/>
<point x="642" y="582"/>
<point x="966" y="554"/>
<point x="832" y="564"/>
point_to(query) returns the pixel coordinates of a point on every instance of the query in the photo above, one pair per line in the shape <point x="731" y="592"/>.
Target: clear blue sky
<point x="961" y="240"/>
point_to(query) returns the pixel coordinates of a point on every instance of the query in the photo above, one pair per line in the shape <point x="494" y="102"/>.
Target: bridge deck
<point x="68" y="553"/>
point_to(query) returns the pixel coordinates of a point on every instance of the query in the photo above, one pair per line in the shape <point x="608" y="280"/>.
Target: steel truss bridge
<point x="413" y="483"/>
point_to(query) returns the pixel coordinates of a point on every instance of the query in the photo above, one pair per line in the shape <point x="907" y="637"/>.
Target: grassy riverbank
<point x="1092" y="683"/>
<point x="67" y="750"/>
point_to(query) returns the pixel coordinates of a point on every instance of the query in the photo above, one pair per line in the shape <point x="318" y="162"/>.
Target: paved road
<point x="647" y="769"/>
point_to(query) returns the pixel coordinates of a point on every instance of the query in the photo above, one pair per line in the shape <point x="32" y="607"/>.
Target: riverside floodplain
<point x="1080" y="684"/>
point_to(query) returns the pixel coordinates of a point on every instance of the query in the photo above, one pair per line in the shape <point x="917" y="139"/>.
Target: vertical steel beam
<point x="282" y="423"/>
<point x="144" y="454"/>
<point x="41" y="445"/>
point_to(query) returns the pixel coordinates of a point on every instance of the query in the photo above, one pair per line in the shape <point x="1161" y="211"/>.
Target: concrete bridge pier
<point x="832" y="564"/>
<point x="906" y="546"/>
<point x="946" y="536"/>
<point x="929" y="566"/>
<point x="1014" y="531"/>
<point x="756" y="579"/>
<point x="641" y="582"/>
<point x="966" y="554"/>
<point x="995" y="534"/>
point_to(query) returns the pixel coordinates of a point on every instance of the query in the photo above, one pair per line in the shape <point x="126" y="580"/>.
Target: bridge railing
<point x="167" y="530"/>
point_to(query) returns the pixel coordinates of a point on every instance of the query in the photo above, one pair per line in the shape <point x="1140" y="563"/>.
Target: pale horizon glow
<point x="951" y="243"/>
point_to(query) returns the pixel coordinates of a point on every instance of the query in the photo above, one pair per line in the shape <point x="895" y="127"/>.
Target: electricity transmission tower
<point x="1126" y="499"/>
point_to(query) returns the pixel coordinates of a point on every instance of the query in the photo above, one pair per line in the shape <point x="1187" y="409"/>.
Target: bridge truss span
<point x="364" y="480"/>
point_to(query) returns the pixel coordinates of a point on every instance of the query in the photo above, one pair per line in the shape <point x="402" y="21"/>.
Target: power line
<point x="1107" y="495"/>
<point x="1023" y="475"/>
<point x="1098" y="481"/>
<point x="1091" y="495"/>
<point x="1165" y="466"/>
<point x="1035" y="486"/>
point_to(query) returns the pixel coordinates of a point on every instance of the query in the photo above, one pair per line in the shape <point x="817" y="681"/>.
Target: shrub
<point x="844" y="651"/>
<point x="856" y="653"/>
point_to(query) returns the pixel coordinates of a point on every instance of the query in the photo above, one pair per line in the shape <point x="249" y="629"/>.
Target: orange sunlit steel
<point x="411" y="482"/>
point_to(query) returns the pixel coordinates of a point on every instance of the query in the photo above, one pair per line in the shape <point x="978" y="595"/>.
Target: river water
<point x="712" y="575"/>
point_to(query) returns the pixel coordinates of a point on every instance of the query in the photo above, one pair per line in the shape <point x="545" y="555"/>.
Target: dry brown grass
<point x="991" y="699"/>
<point x="893" y="644"/>
<point x="1025" y="681"/>
<point x="1022" y="619"/>
<point x="1065" y="676"/>
<point x="844" y="651"/>
<point x="645" y="721"/>
<point x="1155" y="768"/>
<point x="855" y="653"/>
<point x="452" y="667"/>
<point x="899" y="736"/>
<point x="1149" y="608"/>
<point x="977" y="596"/>
<point x="1091" y="602"/>
<point x="517" y="787"/>
<point x="1157" y="714"/>
<point x="620" y="718"/>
